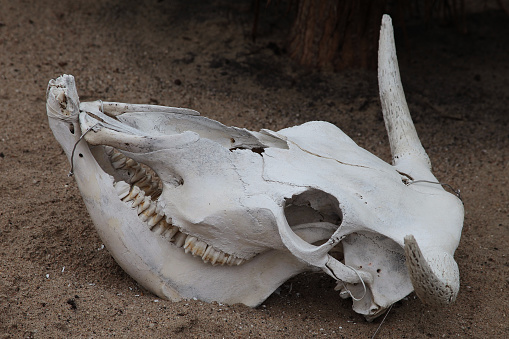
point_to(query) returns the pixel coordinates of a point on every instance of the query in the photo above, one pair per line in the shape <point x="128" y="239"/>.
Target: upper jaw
<point x="140" y="187"/>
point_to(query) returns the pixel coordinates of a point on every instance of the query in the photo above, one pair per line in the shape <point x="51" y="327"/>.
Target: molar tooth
<point x="239" y="261"/>
<point x="149" y="190"/>
<point x="189" y="243"/>
<point x="180" y="239"/>
<point x="138" y="175"/>
<point x="218" y="258"/>
<point x="131" y="163"/>
<point x="155" y="192"/>
<point x="221" y="258"/>
<point x="214" y="257"/>
<point x="145" y="181"/>
<point x="159" y="228"/>
<point x="118" y="160"/>
<point x="230" y="260"/>
<point x="117" y="157"/>
<point x="108" y="150"/>
<point x="133" y="193"/>
<point x="199" y="248"/>
<point x="122" y="188"/>
<point x="144" y="205"/>
<point x="154" y="220"/>
<point x="207" y="254"/>
<point x="149" y="212"/>
<point x="171" y="232"/>
<point x="139" y="198"/>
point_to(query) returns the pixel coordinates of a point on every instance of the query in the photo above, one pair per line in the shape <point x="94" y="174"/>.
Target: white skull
<point x="228" y="214"/>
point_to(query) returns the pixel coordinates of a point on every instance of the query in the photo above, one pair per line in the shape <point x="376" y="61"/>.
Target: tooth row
<point x="149" y="212"/>
<point x="140" y="178"/>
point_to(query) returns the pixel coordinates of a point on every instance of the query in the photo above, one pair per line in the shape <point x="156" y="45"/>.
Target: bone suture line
<point x="141" y="192"/>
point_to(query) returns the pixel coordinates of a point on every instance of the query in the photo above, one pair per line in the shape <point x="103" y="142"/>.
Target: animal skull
<point x="191" y="208"/>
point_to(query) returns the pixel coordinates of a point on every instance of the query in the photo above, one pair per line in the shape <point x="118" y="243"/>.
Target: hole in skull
<point x="313" y="206"/>
<point x="258" y="150"/>
<point x="405" y="178"/>
<point x="315" y="215"/>
<point x="71" y="128"/>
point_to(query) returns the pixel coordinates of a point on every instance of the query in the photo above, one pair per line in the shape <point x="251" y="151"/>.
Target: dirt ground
<point x="56" y="278"/>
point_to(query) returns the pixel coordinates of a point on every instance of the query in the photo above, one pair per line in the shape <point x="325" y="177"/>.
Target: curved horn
<point x="406" y="147"/>
<point x="435" y="277"/>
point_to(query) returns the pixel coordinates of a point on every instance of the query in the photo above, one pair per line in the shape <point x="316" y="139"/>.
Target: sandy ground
<point x="56" y="278"/>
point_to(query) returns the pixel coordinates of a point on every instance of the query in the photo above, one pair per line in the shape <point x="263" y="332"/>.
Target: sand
<point x="57" y="280"/>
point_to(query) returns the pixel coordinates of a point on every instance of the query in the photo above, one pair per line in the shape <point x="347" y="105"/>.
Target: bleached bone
<point x="191" y="208"/>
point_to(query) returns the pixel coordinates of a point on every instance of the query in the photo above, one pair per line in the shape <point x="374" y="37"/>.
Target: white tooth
<point x="215" y="256"/>
<point x="180" y="239"/>
<point x="208" y="253"/>
<point x="108" y="150"/>
<point x="149" y="212"/>
<point x="131" y="163"/>
<point x="122" y="188"/>
<point x="218" y="258"/>
<point x="117" y="157"/>
<point x="138" y="175"/>
<point x="133" y="193"/>
<point x="239" y="261"/>
<point x="221" y="259"/>
<point x="139" y="198"/>
<point x="171" y="232"/>
<point x="144" y="182"/>
<point x="159" y="228"/>
<point x="144" y="205"/>
<point x="230" y="260"/>
<point x="154" y="220"/>
<point x="118" y="160"/>
<point x="199" y="248"/>
<point x="189" y="243"/>
<point x="155" y="192"/>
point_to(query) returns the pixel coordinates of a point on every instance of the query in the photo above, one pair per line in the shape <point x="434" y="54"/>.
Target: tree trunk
<point x="336" y="34"/>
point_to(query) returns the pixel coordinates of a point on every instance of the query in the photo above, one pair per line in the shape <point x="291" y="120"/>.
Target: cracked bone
<point x="191" y="208"/>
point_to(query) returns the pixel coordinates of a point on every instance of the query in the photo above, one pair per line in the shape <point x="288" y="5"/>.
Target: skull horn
<point x="406" y="148"/>
<point x="433" y="272"/>
<point x="435" y="277"/>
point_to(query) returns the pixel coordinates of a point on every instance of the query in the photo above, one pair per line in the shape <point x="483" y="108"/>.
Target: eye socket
<point x="71" y="128"/>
